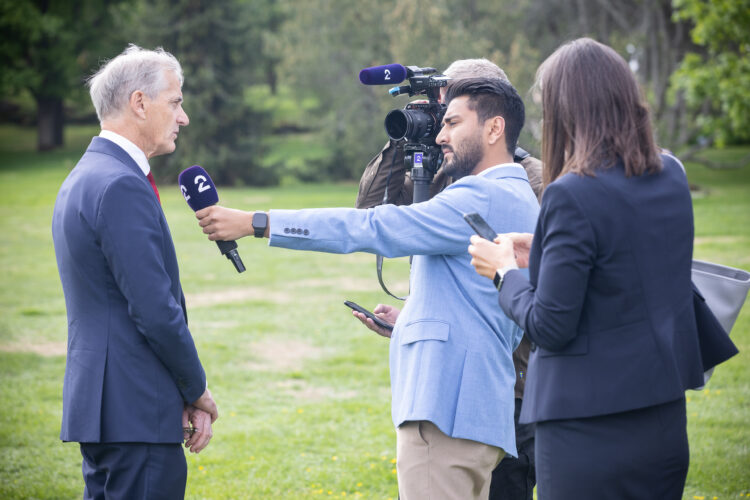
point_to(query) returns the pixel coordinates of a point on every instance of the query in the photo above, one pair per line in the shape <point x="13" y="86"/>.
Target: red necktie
<point x="150" y="177"/>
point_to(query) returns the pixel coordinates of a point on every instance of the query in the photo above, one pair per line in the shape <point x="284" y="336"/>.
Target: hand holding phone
<point x="378" y="321"/>
<point x="481" y="227"/>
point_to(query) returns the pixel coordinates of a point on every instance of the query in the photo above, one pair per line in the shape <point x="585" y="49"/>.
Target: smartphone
<point x="370" y="315"/>
<point x="481" y="227"/>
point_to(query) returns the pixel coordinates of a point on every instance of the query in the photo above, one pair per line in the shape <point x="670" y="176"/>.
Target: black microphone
<point x="388" y="74"/>
<point x="199" y="192"/>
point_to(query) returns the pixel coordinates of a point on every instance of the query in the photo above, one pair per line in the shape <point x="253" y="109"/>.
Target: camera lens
<point x="411" y="124"/>
<point x="396" y="124"/>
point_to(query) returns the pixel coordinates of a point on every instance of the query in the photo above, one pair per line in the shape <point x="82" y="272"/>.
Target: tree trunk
<point x="49" y="122"/>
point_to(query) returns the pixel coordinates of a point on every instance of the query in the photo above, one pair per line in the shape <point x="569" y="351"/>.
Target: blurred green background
<point x="272" y="89"/>
<point x="277" y="112"/>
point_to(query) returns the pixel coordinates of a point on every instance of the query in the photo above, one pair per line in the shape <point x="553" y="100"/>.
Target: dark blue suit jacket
<point x="131" y="360"/>
<point x="608" y="302"/>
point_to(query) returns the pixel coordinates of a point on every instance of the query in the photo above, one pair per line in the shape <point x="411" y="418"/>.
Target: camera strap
<point x="379" y="258"/>
<point x="379" y="263"/>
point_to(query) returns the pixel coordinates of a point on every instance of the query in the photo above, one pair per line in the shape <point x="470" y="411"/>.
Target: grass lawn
<point x="303" y="389"/>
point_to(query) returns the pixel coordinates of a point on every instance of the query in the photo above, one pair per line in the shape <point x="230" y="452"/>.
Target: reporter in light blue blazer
<point x="452" y="374"/>
<point x="608" y="301"/>
<point x="133" y="379"/>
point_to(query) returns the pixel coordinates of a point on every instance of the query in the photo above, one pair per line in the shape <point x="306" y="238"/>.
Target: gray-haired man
<point x="133" y="381"/>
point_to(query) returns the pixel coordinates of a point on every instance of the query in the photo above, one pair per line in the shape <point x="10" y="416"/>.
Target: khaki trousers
<point x="433" y="466"/>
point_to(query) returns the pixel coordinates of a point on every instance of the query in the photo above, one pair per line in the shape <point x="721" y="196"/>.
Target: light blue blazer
<point x="450" y="354"/>
<point x="131" y="362"/>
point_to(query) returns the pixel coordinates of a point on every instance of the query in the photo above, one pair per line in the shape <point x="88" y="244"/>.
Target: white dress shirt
<point x="134" y="151"/>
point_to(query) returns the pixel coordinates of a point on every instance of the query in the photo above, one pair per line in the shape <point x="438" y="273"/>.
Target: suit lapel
<point x="107" y="147"/>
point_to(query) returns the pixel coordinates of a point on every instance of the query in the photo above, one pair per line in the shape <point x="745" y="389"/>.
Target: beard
<point x="465" y="158"/>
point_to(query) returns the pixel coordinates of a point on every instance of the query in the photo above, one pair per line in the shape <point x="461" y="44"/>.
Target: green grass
<point x="303" y="389"/>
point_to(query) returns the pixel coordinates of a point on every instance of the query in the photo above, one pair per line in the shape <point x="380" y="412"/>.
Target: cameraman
<point x="514" y="478"/>
<point x="400" y="186"/>
<point x="451" y="363"/>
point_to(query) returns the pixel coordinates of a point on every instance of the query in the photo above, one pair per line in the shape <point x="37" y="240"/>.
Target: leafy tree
<point x="221" y="48"/>
<point x="716" y="79"/>
<point x="324" y="44"/>
<point x="47" y="47"/>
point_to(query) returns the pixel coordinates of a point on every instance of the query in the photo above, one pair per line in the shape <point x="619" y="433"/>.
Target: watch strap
<point x="260" y="224"/>
<point x="500" y="276"/>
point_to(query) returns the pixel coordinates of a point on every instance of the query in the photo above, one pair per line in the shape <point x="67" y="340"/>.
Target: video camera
<point x="418" y="123"/>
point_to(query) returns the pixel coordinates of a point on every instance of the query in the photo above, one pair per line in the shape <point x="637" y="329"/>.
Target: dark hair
<point x="594" y="113"/>
<point x="491" y="97"/>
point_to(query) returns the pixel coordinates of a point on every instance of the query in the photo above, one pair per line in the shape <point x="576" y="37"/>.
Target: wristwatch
<point x="260" y="224"/>
<point x="500" y="275"/>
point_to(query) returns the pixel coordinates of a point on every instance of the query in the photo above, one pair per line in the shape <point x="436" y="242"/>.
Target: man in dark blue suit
<point x="133" y="385"/>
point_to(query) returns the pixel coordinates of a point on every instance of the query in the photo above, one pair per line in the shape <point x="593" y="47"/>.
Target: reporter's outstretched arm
<point x="226" y="224"/>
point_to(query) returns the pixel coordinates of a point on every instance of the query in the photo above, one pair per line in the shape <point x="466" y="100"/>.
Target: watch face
<point x="260" y="220"/>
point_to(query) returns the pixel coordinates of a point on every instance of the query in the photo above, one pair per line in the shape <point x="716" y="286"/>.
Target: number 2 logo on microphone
<point x="202" y="186"/>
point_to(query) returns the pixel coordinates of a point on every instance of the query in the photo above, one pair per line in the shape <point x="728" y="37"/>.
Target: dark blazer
<point x="131" y="361"/>
<point x="608" y="303"/>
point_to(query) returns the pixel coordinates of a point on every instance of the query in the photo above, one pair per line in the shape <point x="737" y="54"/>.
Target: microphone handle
<point x="229" y="248"/>
<point x="226" y="246"/>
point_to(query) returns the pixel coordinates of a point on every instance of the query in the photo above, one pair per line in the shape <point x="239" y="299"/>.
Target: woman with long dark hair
<point x="608" y="301"/>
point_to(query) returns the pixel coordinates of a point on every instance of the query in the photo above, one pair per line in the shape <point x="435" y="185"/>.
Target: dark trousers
<point x="514" y="478"/>
<point x="639" y="454"/>
<point x="133" y="471"/>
